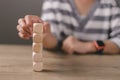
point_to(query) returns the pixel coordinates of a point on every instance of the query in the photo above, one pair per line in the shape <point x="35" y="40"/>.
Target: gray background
<point x="10" y="12"/>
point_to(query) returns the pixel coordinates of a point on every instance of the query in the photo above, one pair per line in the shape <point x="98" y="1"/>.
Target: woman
<point x="82" y="26"/>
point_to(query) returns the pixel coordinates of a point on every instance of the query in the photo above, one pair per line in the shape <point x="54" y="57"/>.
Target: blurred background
<point x="11" y="11"/>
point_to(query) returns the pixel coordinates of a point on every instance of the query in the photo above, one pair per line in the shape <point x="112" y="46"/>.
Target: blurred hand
<point x="71" y="45"/>
<point x="25" y="30"/>
<point x="25" y="26"/>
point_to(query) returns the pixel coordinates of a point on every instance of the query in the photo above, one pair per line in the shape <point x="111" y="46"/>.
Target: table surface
<point x="16" y="64"/>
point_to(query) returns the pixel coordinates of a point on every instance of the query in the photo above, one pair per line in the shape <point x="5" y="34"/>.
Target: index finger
<point x="22" y="22"/>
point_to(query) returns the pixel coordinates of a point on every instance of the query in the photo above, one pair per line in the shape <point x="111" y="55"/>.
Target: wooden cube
<point x="38" y="28"/>
<point x="37" y="66"/>
<point x="37" y="38"/>
<point x="37" y="47"/>
<point x="37" y="57"/>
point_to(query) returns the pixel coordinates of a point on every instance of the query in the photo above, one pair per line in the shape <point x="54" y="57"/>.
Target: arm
<point x="110" y="47"/>
<point x="25" y="26"/>
<point x="49" y="15"/>
<point x="50" y="40"/>
<point x="71" y="45"/>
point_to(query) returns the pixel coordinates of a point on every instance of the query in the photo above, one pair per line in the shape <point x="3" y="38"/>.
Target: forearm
<point x="49" y="41"/>
<point x="110" y="48"/>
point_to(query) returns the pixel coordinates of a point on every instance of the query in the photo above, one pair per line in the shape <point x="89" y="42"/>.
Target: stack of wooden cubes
<point x="37" y="47"/>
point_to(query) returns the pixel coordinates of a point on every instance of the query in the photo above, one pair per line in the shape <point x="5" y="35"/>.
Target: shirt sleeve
<point x="115" y="25"/>
<point x="48" y="14"/>
<point x="49" y="10"/>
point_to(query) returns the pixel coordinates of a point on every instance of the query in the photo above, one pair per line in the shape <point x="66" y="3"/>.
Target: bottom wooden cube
<point x="38" y="66"/>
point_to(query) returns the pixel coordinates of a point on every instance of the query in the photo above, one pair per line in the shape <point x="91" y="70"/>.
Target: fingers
<point x="69" y="45"/>
<point x="46" y="27"/>
<point x="23" y="32"/>
<point x="30" y="19"/>
<point x="23" y="29"/>
<point x="68" y="49"/>
<point x="21" y="22"/>
<point x="22" y="26"/>
<point x="23" y="35"/>
<point x="19" y="28"/>
<point x="25" y="26"/>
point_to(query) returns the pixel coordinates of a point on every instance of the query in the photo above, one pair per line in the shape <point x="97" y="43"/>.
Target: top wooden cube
<point x="38" y="28"/>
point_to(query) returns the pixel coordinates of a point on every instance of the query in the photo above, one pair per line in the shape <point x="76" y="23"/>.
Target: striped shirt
<point x="101" y="23"/>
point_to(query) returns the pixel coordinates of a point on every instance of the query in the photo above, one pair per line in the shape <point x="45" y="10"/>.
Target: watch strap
<point x="99" y="46"/>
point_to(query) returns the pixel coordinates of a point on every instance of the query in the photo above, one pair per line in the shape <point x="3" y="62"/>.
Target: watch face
<point x="100" y="43"/>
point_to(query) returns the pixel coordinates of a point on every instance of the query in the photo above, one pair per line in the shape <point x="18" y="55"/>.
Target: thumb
<point x="46" y="28"/>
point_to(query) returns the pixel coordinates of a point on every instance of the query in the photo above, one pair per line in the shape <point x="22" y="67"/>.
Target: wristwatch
<point x="99" y="46"/>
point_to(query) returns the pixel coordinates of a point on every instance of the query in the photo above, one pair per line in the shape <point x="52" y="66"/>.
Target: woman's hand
<point x="25" y="25"/>
<point x="71" y="45"/>
<point x="25" y="30"/>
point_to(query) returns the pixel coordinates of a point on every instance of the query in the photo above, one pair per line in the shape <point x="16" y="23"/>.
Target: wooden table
<point x="16" y="64"/>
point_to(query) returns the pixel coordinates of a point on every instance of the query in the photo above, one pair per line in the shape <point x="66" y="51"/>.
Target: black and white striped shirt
<point x="101" y="23"/>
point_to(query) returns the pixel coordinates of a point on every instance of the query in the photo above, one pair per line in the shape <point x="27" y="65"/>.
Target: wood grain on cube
<point x="37" y="66"/>
<point x="38" y="28"/>
<point x="37" y="38"/>
<point x="37" y="47"/>
<point x="37" y="57"/>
